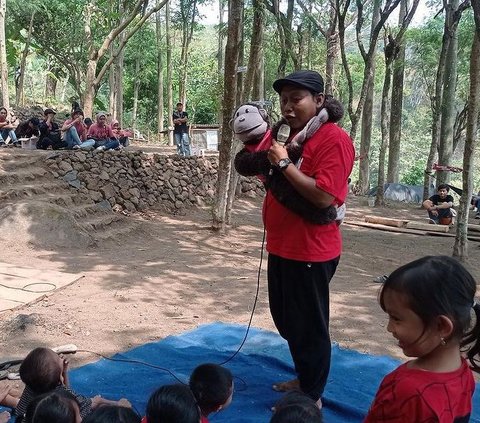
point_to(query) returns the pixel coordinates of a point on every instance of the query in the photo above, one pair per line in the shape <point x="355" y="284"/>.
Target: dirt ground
<point x="174" y="274"/>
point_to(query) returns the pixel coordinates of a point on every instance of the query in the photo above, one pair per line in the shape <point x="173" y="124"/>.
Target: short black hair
<point x="112" y="414"/>
<point x="172" y="404"/>
<point x="296" y="407"/>
<point x="443" y="186"/>
<point x="211" y="385"/>
<point x="39" y="372"/>
<point x="58" y="407"/>
<point x="87" y="121"/>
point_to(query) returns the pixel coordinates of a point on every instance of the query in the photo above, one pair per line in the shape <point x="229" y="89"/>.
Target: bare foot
<point x="291" y="385"/>
<point x="319" y="404"/>
<point x="4" y="417"/>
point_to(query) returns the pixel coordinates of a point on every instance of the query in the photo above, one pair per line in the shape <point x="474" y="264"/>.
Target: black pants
<point x="298" y="293"/>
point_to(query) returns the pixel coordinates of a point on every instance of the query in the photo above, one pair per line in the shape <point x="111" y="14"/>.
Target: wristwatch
<point x="283" y="164"/>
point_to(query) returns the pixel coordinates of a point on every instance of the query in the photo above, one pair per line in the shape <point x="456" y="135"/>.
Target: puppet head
<point x="249" y="123"/>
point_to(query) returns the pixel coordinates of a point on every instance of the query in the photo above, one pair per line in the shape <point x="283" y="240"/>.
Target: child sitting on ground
<point x="429" y="303"/>
<point x="172" y="404"/>
<point x="296" y="407"/>
<point x="58" y="407"/>
<point x="212" y="387"/>
<point x="43" y="371"/>
<point x="112" y="414"/>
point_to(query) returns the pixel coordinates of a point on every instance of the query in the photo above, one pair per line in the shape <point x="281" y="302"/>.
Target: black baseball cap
<point x="308" y="79"/>
<point x="48" y="111"/>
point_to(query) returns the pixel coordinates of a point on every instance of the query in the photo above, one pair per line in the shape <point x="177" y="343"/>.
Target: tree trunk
<point x="119" y="83"/>
<point x="3" y="57"/>
<point x="436" y="102"/>
<point x="112" y="86"/>
<point x="384" y="113"/>
<point x="136" y="89"/>
<point x="460" y="249"/>
<point x="20" y="97"/>
<point x="90" y="89"/>
<point x="448" y="105"/>
<point x="187" y="34"/>
<point x="396" y="108"/>
<point x="168" y="37"/>
<point x="220" y="56"/>
<point x="367" y="114"/>
<point x="256" y="48"/>
<point x="258" y="91"/>
<point x="235" y="10"/>
<point x="51" y="81"/>
<point x="160" y="111"/>
<point x="241" y="56"/>
<point x="332" y="52"/>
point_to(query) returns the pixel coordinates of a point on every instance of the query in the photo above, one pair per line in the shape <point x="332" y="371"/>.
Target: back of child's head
<point x="112" y="414"/>
<point x="40" y="371"/>
<point x="58" y="407"/>
<point x="212" y="386"/>
<point x="173" y="404"/>
<point x="440" y="285"/>
<point x="296" y="407"/>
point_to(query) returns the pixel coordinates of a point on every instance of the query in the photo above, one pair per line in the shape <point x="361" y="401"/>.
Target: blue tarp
<point x="402" y="192"/>
<point x="263" y="360"/>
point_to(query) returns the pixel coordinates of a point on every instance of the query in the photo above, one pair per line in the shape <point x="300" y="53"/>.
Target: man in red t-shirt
<point x="303" y="256"/>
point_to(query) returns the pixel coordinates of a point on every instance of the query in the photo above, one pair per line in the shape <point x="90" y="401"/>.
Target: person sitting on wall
<point x="103" y="134"/>
<point x="28" y="129"/>
<point x="50" y="136"/>
<point x="75" y="132"/>
<point x="7" y="128"/>
<point x="439" y="206"/>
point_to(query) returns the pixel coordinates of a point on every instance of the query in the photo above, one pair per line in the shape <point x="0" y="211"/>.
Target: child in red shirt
<point x="429" y="302"/>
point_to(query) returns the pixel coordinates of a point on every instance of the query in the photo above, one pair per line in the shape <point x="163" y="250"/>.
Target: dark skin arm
<point x="304" y="184"/>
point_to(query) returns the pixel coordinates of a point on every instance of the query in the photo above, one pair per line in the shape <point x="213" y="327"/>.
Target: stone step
<point x="58" y="198"/>
<point x="117" y="231"/>
<point x="13" y="164"/>
<point x="89" y="208"/>
<point x="101" y="221"/>
<point x="37" y="187"/>
<point x="23" y="174"/>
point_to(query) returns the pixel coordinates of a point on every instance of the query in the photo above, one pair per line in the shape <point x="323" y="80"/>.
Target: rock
<point x="75" y="183"/>
<point x="70" y="176"/>
<point x="108" y="191"/>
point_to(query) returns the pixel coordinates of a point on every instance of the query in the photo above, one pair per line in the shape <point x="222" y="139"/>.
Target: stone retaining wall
<point x="133" y="180"/>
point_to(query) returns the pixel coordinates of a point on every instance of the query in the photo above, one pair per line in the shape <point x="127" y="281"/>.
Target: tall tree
<point x="168" y="38"/>
<point x="329" y="32"/>
<point x="3" y="56"/>
<point x="460" y="249"/>
<point x="367" y="112"/>
<point x="235" y="11"/>
<point x="20" y="95"/>
<point x="160" y="111"/>
<point x="188" y="15"/>
<point x="256" y="48"/>
<point x="396" y="107"/>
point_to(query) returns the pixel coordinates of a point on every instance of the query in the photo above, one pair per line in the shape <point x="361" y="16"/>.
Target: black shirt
<point x="180" y="128"/>
<point x="436" y="200"/>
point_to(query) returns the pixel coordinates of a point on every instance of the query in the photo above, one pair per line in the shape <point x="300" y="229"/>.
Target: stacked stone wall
<point x="133" y="180"/>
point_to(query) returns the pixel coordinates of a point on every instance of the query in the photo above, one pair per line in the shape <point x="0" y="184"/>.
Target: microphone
<point x="283" y="134"/>
<point x="282" y="137"/>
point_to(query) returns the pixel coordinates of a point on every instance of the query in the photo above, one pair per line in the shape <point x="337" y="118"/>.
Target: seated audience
<point x="172" y="404"/>
<point x="28" y="129"/>
<point x="75" y="132"/>
<point x="7" y="128"/>
<point x="212" y="387"/>
<point x="112" y="414"/>
<point x="43" y="371"/>
<point x="103" y="134"/>
<point x="439" y="206"/>
<point x="50" y="136"/>
<point x="58" y="407"/>
<point x="121" y="134"/>
<point x="87" y="122"/>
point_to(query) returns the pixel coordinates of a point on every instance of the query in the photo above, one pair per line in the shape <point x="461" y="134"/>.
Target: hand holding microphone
<point x="277" y="154"/>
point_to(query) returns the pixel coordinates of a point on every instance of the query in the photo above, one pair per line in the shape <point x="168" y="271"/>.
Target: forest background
<point x="410" y="96"/>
